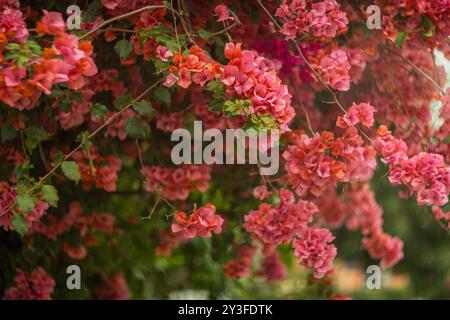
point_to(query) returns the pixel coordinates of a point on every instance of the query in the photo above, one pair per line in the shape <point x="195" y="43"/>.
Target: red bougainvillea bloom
<point x="314" y="164"/>
<point x="261" y="192"/>
<point x="115" y="287"/>
<point x="278" y="225"/>
<point x="385" y="247"/>
<point x="163" y="53"/>
<point x="240" y="267"/>
<point x="334" y="69"/>
<point x="12" y="24"/>
<point x="313" y="250"/>
<point x="272" y="268"/>
<point x="425" y="175"/>
<point x="102" y="171"/>
<point x="8" y="197"/>
<point x="77" y="253"/>
<point x="224" y="14"/>
<point x="200" y="223"/>
<point x="323" y="18"/>
<point x="51" y="23"/>
<point x="357" y="113"/>
<point x="37" y="285"/>
<point x="176" y="184"/>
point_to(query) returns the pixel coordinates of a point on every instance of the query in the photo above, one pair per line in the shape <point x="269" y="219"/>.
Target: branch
<point x="417" y="69"/>
<point x="335" y="98"/>
<point x="91" y="135"/>
<point x="123" y="16"/>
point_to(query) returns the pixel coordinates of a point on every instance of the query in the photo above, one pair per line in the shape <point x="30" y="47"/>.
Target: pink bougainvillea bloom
<point x="170" y="80"/>
<point x="184" y="79"/>
<point x="111" y="4"/>
<point x="115" y="287"/>
<point x="385" y="247"/>
<point x="201" y="223"/>
<point x="314" y="251"/>
<point x="37" y="285"/>
<point x="334" y="70"/>
<point x="357" y="113"/>
<point x="224" y="14"/>
<point x="261" y="192"/>
<point x="163" y="53"/>
<point x="51" y="23"/>
<point x="13" y="25"/>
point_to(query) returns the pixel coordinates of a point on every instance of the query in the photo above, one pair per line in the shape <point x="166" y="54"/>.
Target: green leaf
<point x="65" y="106"/>
<point x="58" y="157"/>
<point x="19" y="224"/>
<point x="137" y="128"/>
<point x="31" y="144"/>
<point x="71" y="170"/>
<point x="8" y="133"/>
<point x="25" y="202"/>
<point x="50" y="195"/>
<point x="123" y="48"/>
<point x="401" y="37"/>
<point x="83" y="138"/>
<point x="162" y="94"/>
<point x="429" y="28"/>
<point x="98" y="110"/>
<point x="37" y="133"/>
<point x="205" y="34"/>
<point x="122" y="101"/>
<point x="216" y="105"/>
<point x="144" y="108"/>
<point x="21" y="170"/>
<point x="92" y="11"/>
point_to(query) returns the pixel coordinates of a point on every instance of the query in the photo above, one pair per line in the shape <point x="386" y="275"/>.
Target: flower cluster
<point x="272" y="268"/>
<point x="8" y="197"/>
<point x="37" y="285"/>
<point x="322" y="18"/>
<point x="240" y="267"/>
<point x="200" y="223"/>
<point x="334" y="69"/>
<point x="357" y="113"/>
<point x="313" y="250"/>
<point x="176" y="184"/>
<point x="169" y="122"/>
<point x="359" y="208"/>
<point x="250" y="76"/>
<point x="68" y="60"/>
<point x="439" y="214"/>
<point x="247" y="75"/>
<point x="115" y="287"/>
<point x="167" y="241"/>
<point x="277" y="225"/>
<point x="425" y="175"/>
<point x="87" y="226"/>
<point x="98" y="170"/>
<point x="195" y="67"/>
<point x="385" y="247"/>
<point x="314" y="164"/>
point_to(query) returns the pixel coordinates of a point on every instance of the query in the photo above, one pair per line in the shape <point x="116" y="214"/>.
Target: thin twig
<point x="123" y="16"/>
<point x="141" y="159"/>
<point x="90" y="136"/>
<point x="175" y="26"/>
<point x="417" y="69"/>
<point x="308" y="64"/>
